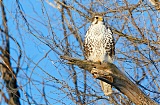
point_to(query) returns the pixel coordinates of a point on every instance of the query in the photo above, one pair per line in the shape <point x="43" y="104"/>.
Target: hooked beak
<point x="100" y="19"/>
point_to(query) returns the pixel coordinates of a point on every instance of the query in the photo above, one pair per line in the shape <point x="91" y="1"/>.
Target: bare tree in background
<point x="34" y="34"/>
<point x="7" y="74"/>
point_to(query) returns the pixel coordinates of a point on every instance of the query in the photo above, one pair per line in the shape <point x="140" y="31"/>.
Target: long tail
<point x="107" y="88"/>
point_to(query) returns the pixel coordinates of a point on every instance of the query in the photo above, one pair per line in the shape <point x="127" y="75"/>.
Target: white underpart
<point x="96" y="38"/>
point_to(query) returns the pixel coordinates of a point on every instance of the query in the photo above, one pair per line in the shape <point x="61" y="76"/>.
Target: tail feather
<point x="107" y="88"/>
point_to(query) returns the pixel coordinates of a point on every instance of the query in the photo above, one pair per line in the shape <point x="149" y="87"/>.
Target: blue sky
<point x="41" y="64"/>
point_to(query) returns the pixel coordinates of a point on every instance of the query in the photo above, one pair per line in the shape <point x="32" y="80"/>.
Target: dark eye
<point x="96" y="17"/>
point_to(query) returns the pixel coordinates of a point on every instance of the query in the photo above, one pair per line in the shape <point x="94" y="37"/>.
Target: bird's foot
<point x="97" y="73"/>
<point x="94" y="72"/>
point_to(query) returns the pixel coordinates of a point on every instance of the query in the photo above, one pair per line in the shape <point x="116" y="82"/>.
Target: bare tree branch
<point x="118" y="79"/>
<point x="155" y="3"/>
<point x="7" y="72"/>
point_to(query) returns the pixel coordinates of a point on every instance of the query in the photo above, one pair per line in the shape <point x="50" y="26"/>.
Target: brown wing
<point x="112" y="50"/>
<point x="109" y="43"/>
<point x="87" y="48"/>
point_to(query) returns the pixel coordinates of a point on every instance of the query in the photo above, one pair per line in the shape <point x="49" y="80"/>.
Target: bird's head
<point x="97" y="19"/>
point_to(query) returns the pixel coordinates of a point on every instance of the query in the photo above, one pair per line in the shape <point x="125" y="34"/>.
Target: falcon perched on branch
<point x="99" y="46"/>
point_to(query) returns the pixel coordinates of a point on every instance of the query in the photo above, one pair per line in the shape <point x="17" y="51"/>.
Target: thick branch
<point x="120" y="80"/>
<point x="6" y="70"/>
<point x="155" y="3"/>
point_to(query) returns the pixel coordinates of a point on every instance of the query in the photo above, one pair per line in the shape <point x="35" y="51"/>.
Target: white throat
<point x="99" y="22"/>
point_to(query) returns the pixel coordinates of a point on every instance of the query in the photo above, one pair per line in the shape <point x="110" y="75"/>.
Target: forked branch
<point x="119" y="80"/>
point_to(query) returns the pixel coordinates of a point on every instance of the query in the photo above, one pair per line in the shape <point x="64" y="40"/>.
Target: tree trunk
<point x="8" y="75"/>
